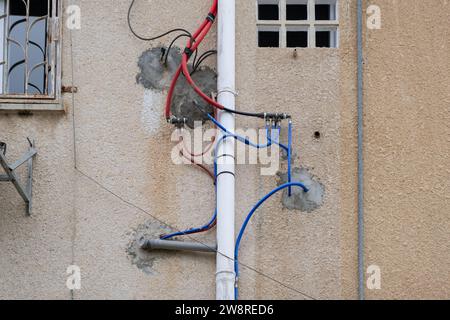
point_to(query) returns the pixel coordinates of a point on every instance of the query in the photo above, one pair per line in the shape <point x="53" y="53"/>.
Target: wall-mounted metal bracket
<point x="11" y="175"/>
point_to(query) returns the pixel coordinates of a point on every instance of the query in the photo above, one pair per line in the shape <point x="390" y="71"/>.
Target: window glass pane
<point x="297" y="39"/>
<point x="326" y="38"/>
<point x="268" y="12"/>
<point x="326" y="9"/>
<point x="322" y="12"/>
<point x="269" y="39"/>
<point x="296" y="12"/>
<point x="38" y="8"/>
<point x="296" y="9"/>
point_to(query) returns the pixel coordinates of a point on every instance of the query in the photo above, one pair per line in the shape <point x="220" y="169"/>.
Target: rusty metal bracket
<point x="11" y="176"/>
<point x="69" y="89"/>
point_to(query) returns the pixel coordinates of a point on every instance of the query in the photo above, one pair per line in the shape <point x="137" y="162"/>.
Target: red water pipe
<point x="192" y="45"/>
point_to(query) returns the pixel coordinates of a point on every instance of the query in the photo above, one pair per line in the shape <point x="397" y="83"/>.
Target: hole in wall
<point x="317" y="135"/>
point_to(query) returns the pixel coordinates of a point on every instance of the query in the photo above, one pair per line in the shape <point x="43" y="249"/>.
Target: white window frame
<point x="311" y="24"/>
<point x="50" y="100"/>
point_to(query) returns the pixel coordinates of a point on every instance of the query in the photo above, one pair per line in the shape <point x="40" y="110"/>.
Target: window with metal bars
<point x="298" y="23"/>
<point x="30" y="57"/>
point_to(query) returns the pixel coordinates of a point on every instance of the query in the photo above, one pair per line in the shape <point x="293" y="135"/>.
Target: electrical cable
<point x="155" y="37"/>
<point x="201" y="59"/>
<point x="247" y="114"/>
<point x="194" y="155"/>
<point x="207" y="149"/>
<point x="201" y="166"/>
<point x="172" y="43"/>
<point x="247" y="220"/>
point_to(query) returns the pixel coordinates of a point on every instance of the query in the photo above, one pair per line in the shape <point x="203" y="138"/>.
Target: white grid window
<point x="298" y="23"/>
<point x="30" y="49"/>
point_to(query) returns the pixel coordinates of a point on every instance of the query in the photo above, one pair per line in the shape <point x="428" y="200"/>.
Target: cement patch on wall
<point x="300" y="200"/>
<point x="144" y="260"/>
<point x="184" y="96"/>
<point x="155" y="76"/>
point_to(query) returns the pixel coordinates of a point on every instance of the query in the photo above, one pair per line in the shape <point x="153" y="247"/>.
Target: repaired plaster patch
<point x="184" y="96"/>
<point x="142" y="259"/>
<point x="151" y="110"/>
<point x="155" y="76"/>
<point x="300" y="200"/>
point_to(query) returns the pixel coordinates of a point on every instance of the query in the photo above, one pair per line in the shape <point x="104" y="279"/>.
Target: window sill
<point x="32" y="106"/>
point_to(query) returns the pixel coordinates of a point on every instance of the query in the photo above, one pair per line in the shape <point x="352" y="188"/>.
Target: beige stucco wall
<point x="407" y="149"/>
<point x="122" y="145"/>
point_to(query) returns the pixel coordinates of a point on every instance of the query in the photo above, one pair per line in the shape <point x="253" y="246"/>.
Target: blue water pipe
<point x="250" y="215"/>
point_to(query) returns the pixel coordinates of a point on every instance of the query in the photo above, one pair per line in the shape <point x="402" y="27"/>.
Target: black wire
<point x="195" y="58"/>
<point x="206" y="55"/>
<point x="196" y="63"/>
<point x="242" y="113"/>
<point x="173" y="42"/>
<point x="260" y="115"/>
<point x="202" y="58"/>
<point x="151" y="38"/>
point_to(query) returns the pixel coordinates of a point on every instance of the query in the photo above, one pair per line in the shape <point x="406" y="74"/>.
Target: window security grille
<point x="30" y="53"/>
<point x="298" y="23"/>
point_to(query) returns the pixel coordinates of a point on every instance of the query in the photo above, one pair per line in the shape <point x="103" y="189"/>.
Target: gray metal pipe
<point x="361" y="272"/>
<point x="158" y="244"/>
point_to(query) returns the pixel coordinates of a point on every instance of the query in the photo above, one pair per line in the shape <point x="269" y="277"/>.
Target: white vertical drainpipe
<point x="225" y="275"/>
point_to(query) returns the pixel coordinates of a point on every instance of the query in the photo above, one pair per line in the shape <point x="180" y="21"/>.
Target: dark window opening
<point x="38" y="8"/>
<point x="268" y="12"/>
<point x="297" y="39"/>
<point x="297" y="12"/>
<point x="270" y="39"/>
<point x="323" y="12"/>
<point x="323" y="39"/>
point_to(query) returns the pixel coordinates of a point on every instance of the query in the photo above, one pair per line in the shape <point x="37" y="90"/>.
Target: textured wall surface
<point x="408" y="149"/>
<point x="123" y="143"/>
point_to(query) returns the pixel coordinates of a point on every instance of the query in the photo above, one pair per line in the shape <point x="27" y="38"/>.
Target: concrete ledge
<point x="46" y="106"/>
